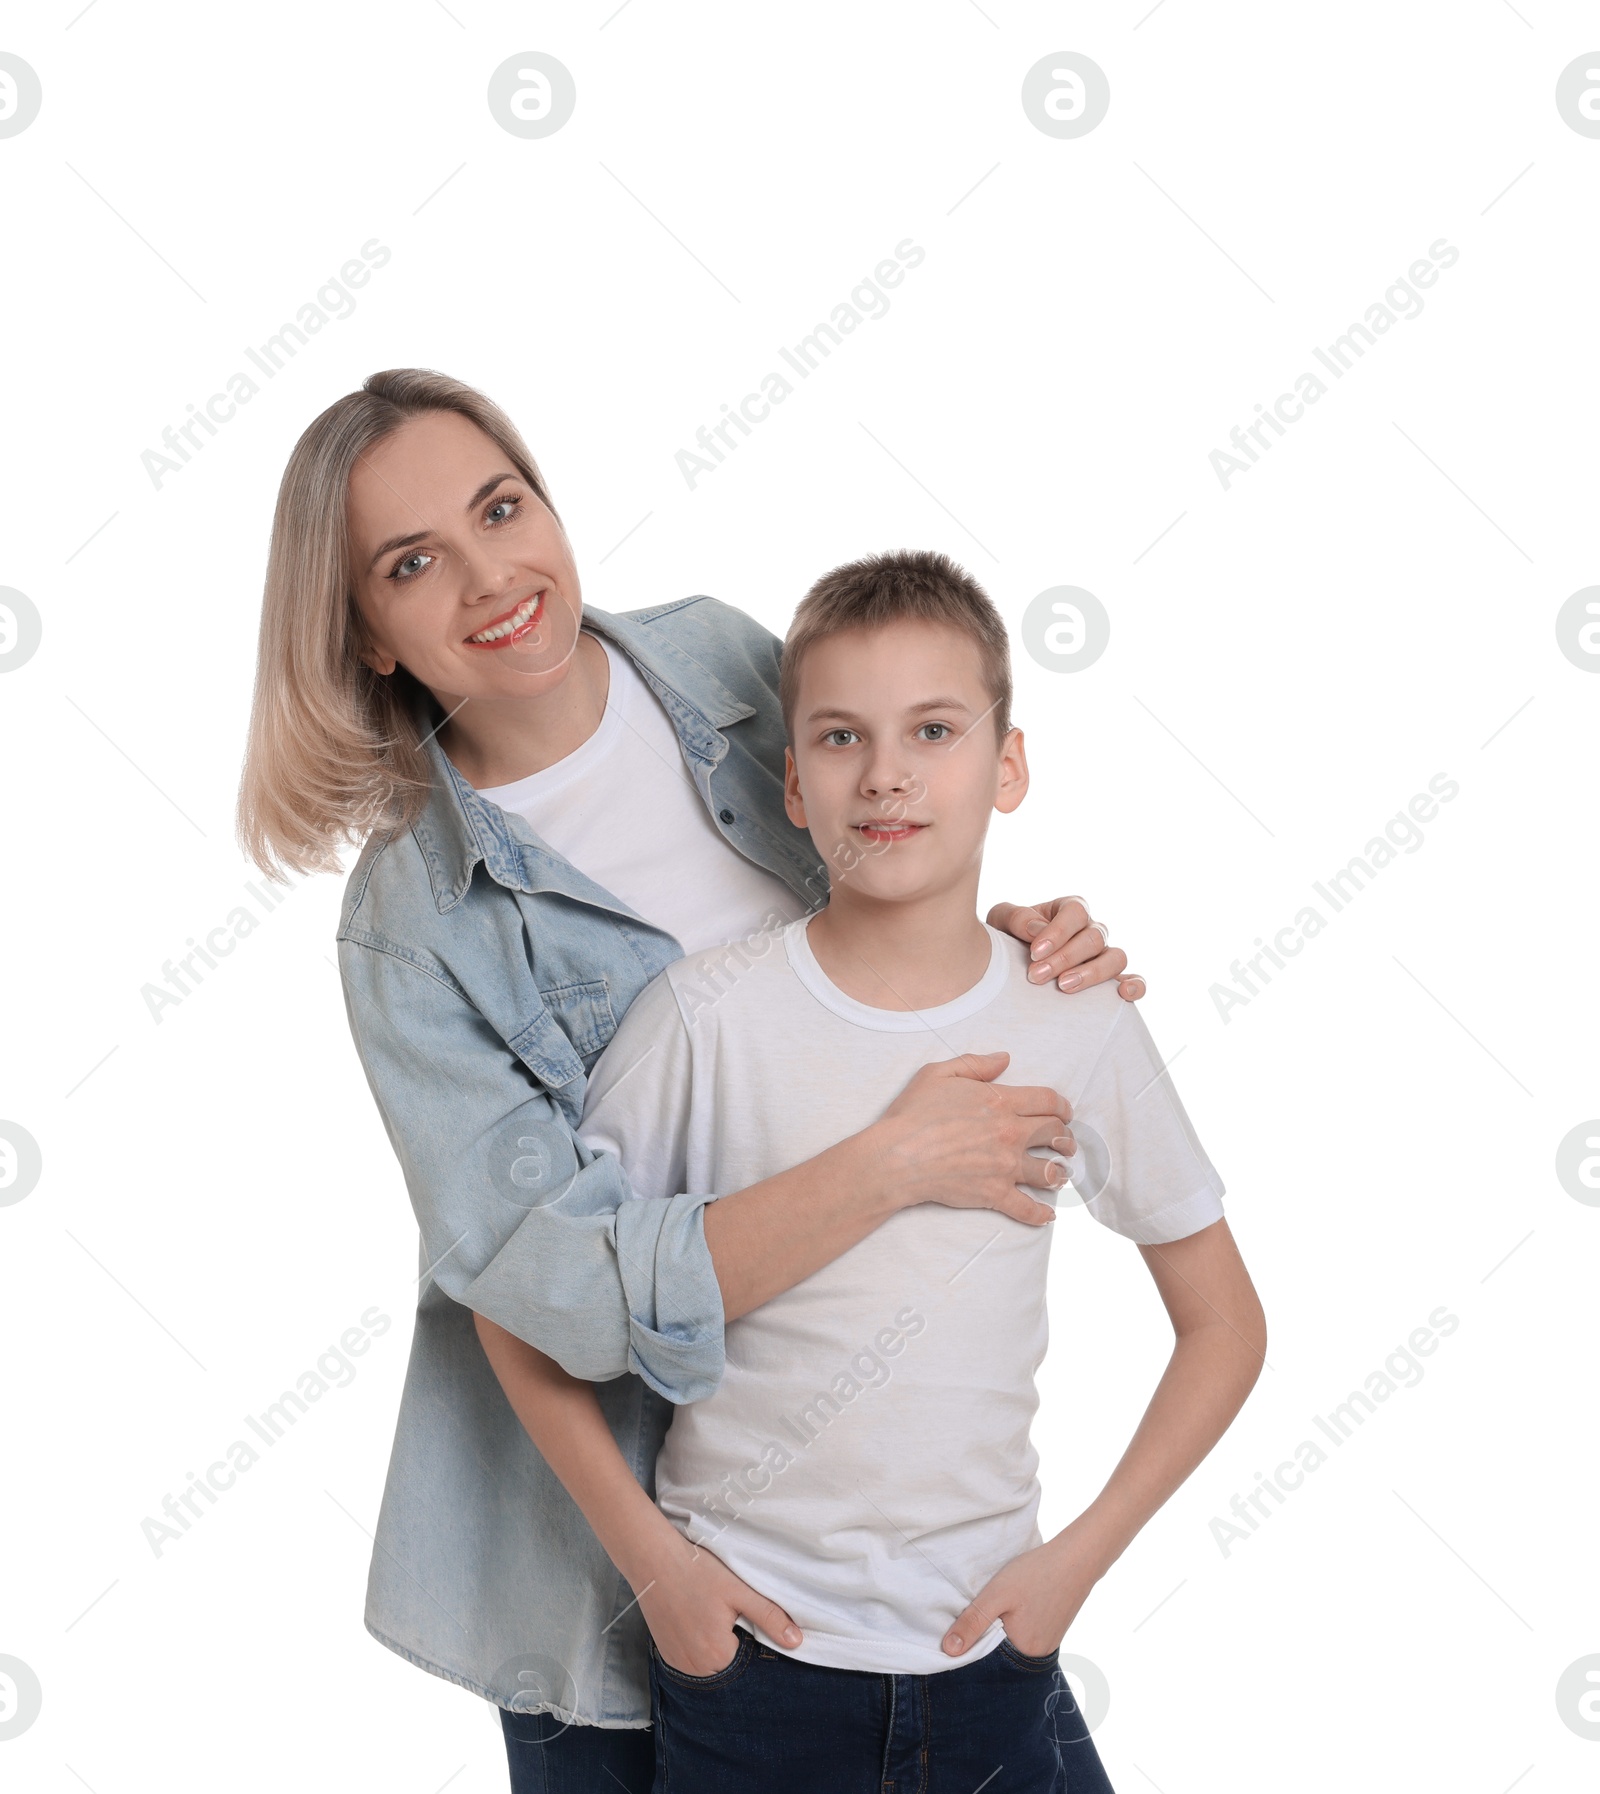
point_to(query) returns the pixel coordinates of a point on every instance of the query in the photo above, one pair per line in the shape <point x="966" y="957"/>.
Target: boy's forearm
<point x="1211" y="1371"/>
<point x="561" y="1415"/>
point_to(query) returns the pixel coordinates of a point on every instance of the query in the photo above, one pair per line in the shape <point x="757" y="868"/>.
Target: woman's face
<point x="462" y="575"/>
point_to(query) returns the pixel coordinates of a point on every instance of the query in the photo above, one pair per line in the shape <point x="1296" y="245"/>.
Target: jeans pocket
<point x="743" y="1652"/>
<point x="1022" y="1660"/>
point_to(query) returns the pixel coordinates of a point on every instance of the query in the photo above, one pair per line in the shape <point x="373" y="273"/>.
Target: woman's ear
<point x="381" y="663"/>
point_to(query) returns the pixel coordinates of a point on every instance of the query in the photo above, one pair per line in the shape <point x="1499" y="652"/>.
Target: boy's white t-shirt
<point x="865" y="1461"/>
<point x="623" y="808"/>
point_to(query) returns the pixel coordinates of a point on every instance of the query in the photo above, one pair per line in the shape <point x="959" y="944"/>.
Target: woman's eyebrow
<point x="486" y="488"/>
<point x="395" y="542"/>
<point x="421" y="535"/>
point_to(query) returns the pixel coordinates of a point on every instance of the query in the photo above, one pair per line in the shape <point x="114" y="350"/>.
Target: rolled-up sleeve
<point x="636" y="1115"/>
<point x="520" y="1220"/>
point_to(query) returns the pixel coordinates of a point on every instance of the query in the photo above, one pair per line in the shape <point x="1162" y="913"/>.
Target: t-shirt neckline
<point x="804" y="964"/>
<point x="586" y="756"/>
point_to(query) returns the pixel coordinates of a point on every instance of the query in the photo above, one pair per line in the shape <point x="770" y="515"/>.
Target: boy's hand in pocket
<point x="1036" y="1597"/>
<point x="690" y="1607"/>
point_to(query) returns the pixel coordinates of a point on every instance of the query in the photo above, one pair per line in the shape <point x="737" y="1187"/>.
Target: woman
<point x="555" y="804"/>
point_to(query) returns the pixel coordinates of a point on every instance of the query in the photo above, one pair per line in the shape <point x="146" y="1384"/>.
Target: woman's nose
<point x="487" y="574"/>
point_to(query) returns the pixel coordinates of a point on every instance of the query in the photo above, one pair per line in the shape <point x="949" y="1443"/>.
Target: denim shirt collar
<point x="458" y="828"/>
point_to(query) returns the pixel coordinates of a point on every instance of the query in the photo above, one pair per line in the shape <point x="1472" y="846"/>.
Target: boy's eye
<point x="944" y="726"/>
<point x="831" y="738"/>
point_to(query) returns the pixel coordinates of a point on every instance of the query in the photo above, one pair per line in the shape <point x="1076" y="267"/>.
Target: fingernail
<point x="790" y="1636"/>
<point x="1065" y="1145"/>
<point x="1034" y="927"/>
<point x="952" y="1643"/>
<point x="1071" y="981"/>
<point x="1041" y="948"/>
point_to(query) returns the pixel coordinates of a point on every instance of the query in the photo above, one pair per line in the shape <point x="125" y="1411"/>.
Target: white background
<point x="1372" y="605"/>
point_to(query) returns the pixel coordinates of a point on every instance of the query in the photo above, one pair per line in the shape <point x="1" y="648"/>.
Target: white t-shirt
<point x="865" y="1461"/>
<point x="624" y="810"/>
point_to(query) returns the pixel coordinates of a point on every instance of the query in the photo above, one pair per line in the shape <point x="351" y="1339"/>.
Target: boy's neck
<point x="912" y="955"/>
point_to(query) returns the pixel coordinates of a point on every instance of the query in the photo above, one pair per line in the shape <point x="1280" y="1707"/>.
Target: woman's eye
<point x="507" y="505"/>
<point x="410" y="567"/>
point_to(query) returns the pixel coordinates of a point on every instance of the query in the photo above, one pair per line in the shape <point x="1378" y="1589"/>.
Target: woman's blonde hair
<point x="335" y="749"/>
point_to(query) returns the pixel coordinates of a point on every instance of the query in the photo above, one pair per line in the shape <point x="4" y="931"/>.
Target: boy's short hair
<point x="883" y="588"/>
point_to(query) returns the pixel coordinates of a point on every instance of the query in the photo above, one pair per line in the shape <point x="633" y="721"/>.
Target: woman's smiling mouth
<point x="512" y="627"/>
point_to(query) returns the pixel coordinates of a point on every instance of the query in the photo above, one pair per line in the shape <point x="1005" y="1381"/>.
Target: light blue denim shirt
<point x="483" y="976"/>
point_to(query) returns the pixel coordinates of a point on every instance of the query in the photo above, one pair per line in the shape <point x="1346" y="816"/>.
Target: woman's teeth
<point x="512" y="623"/>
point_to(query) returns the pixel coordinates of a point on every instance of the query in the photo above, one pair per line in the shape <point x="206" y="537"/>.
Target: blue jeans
<point x="549" y="1757"/>
<point x="770" y="1724"/>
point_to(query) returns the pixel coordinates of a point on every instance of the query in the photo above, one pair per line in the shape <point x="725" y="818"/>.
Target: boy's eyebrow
<point x="421" y="535"/>
<point x="831" y="713"/>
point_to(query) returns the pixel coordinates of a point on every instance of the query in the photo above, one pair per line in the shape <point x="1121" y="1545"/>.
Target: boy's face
<point x="894" y="766"/>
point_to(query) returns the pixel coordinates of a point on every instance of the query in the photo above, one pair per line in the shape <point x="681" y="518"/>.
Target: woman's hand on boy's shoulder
<point x="1067" y="945"/>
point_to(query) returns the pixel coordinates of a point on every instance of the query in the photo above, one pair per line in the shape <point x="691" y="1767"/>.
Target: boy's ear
<point x="792" y="802"/>
<point x="1013" y="782"/>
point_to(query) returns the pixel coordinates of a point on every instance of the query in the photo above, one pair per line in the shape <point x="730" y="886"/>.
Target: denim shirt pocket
<point x="583" y="1013"/>
<point x="569" y="1032"/>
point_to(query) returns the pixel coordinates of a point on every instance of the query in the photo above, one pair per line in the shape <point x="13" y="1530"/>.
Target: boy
<point x="865" y="1464"/>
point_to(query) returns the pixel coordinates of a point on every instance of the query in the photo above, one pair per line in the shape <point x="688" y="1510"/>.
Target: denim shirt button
<point x="726" y="815"/>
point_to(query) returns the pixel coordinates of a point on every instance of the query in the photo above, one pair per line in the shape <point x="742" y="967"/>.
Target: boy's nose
<point x="896" y="783"/>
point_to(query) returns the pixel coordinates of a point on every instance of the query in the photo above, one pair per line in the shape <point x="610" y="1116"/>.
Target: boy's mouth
<point x="512" y="627"/>
<point x="882" y="833"/>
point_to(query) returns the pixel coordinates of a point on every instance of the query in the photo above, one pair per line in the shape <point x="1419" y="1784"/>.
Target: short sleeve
<point x="1140" y="1168"/>
<point x="636" y="1102"/>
